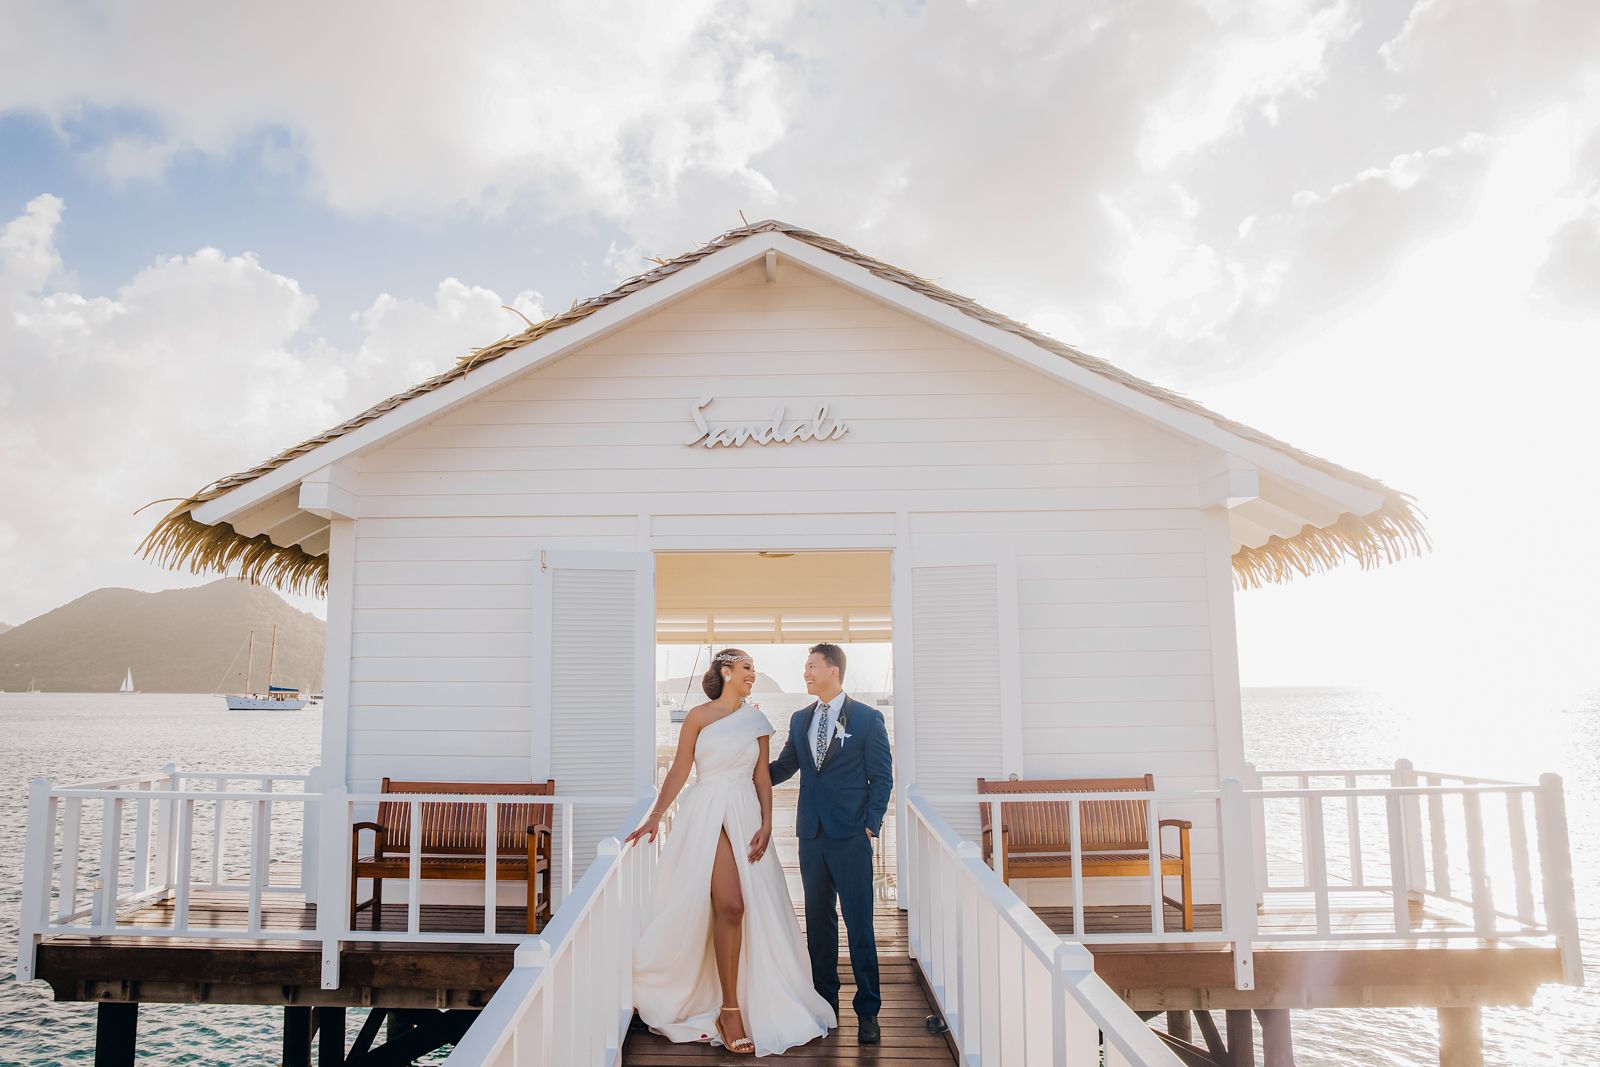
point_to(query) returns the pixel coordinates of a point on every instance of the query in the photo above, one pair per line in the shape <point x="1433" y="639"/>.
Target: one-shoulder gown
<point x="675" y="985"/>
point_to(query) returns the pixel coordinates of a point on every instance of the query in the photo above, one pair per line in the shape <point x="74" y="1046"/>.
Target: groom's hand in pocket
<point x="759" y="843"/>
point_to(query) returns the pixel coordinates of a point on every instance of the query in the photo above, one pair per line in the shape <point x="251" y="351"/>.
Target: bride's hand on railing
<point x="647" y="829"/>
<point x="758" y="843"/>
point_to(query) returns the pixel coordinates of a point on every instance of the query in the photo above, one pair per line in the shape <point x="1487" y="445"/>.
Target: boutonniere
<point x="843" y="737"/>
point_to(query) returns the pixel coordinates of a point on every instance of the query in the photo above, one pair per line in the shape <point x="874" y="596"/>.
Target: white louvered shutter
<point x="593" y="688"/>
<point x="966" y="701"/>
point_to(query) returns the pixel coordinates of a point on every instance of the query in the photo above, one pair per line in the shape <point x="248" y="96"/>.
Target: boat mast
<point x="250" y="660"/>
<point x="271" y="657"/>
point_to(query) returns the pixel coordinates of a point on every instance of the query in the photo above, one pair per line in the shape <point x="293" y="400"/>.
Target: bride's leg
<point x="727" y="932"/>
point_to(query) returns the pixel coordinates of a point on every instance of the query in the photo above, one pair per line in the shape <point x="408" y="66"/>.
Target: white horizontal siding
<point x="488" y="718"/>
<point x="418" y="645"/>
<point x="442" y="620"/>
<point x="1131" y="712"/>
<point x="813" y="494"/>
<point x="397" y="471"/>
<point x="690" y="473"/>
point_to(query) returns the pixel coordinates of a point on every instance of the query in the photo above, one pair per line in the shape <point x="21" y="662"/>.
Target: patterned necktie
<point x="822" y="732"/>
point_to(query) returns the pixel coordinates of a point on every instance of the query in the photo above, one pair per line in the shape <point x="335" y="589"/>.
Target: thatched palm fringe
<point x="1386" y="535"/>
<point x="180" y="540"/>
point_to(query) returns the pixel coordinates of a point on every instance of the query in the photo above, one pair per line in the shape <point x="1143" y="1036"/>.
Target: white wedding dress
<point x="675" y="986"/>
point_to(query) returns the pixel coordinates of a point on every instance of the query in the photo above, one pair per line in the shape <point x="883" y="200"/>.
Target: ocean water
<point x="69" y="737"/>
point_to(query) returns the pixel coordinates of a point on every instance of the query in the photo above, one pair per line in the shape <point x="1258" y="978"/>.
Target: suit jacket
<point x="849" y="793"/>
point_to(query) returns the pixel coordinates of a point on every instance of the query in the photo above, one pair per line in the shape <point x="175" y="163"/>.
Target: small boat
<point x="127" y="683"/>
<point x="675" y="710"/>
<point x="277" y="698"/>
<point x="31" y="687"/>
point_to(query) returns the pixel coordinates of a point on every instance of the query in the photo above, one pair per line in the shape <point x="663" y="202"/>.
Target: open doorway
<point x="775" y="605"/>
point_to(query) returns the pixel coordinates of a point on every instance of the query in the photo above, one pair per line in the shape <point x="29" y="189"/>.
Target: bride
<point x="721" y="957"/>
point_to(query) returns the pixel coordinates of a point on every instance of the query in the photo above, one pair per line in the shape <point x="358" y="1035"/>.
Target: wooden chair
<point x="454" y="844"/>
<point x="1035" y="839"/>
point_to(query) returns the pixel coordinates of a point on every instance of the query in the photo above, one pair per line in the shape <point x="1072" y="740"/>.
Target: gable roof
<point x="1385" y="533"/>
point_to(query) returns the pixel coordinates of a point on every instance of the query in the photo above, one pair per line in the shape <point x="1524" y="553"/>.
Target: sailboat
<point x="887" y="700"/>
<point x="31" y="687"/>
<point x="278" y="697"/>
<point x="127" y="683"/>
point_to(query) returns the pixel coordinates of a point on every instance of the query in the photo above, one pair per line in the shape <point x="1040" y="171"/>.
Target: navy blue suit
<point x="839" y="802"/>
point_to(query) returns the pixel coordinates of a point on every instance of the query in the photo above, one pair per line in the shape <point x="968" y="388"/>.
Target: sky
<point x="1369" y="228"/>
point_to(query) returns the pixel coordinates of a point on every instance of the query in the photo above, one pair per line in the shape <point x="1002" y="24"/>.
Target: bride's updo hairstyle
<point x="712" y="682"/>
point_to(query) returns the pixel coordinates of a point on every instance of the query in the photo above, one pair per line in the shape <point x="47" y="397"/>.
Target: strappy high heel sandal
<point x="742" y="1046"/>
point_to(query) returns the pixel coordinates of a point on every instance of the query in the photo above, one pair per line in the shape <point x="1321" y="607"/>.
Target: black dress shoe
<point x="833" y="1002"/>
<point x="868" y="1032"/>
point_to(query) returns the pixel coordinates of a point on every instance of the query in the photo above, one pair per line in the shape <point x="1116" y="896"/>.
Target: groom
<point x="841" y="750"/>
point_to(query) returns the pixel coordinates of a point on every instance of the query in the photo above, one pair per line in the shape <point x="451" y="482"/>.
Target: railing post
<point x="309" y="838"/>
<point x="1258" y="835"/>
<point x="414" y="875"/>
<point x="166" y="825"/>
<point x="1483" y="916"/>
<point x="1075" y="1041"/>
<point x="968" y="1025"/>
<point x="1555" y="864"/>
<point x="1405" y="775"/>
<point x="566" y="850"/>
<point x="333" y="879"/>
<point x="36" y="865"/>
<point x="536" y="953"/>
<point x="1315" y="850"/>
<point x="611" y="945"/>
<point x="103" y="915"/>
<point x="1238" y="880"/>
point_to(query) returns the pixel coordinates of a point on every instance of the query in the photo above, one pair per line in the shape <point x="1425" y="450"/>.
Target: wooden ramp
<point x="906" y="1039"/>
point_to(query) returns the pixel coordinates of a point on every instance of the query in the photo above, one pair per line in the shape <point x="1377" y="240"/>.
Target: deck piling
<point x="330" y="1036"/>
<point x="296" y="1036"/>
<point x="1461" y="1037"/>
<point x="1277" y="1042"/>
<point x="1241" y="1038"/>
<point x="116" y="1034"/>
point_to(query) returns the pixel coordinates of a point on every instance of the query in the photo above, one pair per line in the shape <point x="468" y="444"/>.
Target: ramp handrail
<point x="1010" y="989"/>
<point x="583" y="959"/>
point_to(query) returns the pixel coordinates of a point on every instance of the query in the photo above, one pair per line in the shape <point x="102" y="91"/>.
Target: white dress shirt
<point x="830" y="711"/>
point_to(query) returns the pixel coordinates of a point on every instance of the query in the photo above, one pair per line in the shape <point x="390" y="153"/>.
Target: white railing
<point x="98" y="853"/>
<point x="569" y="997"/>
<point x="1291" y="858"/>
<point x="1442" y="856"/>
<point x="1433" y="838"/>
<point x="1010" y="989"/>
<point x="96" y="849"/>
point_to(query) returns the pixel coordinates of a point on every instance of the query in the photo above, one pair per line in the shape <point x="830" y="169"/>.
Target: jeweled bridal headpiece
<point x="729" y="657"/>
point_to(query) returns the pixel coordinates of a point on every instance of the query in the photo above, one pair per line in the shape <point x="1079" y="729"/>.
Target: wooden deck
<point x="903" y="1018"/>
<point x="1150" y="977"/>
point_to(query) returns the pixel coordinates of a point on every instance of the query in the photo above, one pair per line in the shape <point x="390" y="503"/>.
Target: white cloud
<point x="198" y="366"/>
<point x="1193" y="190"/>
<point x="1569" y="280"/>
<point x="28" y="256"/>
<point x="1267" y="51"/>
<point x="590" y="106"/>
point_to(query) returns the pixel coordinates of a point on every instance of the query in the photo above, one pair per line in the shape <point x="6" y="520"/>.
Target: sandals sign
<point x="820" y="426"/>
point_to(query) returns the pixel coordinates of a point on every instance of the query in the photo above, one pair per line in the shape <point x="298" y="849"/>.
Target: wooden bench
<point x="454" y="844"/>
<point x="1113" y="839"/>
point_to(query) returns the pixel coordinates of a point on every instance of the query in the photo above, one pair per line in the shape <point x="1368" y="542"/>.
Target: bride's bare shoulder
<point x="696" y="715"/>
